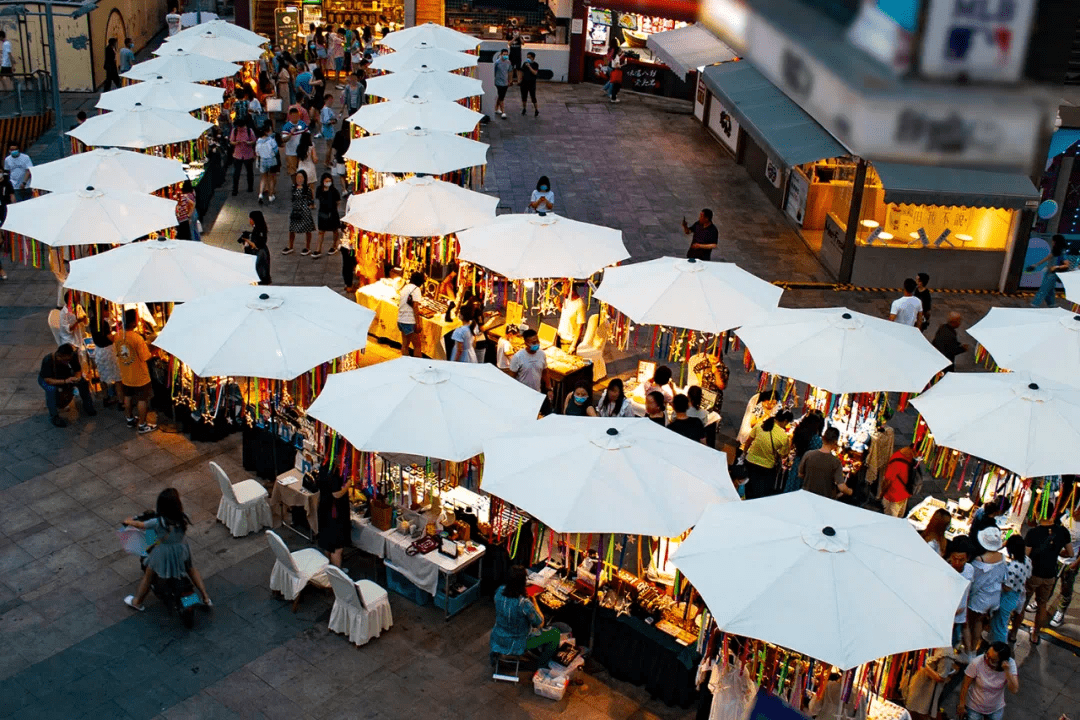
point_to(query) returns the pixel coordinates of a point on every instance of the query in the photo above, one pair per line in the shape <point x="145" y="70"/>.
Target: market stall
<point x="163" y="94"/>
<point x="434" y="319"/>
<point x="416" y="151"/>
<point x="423" y="55"/>
<point x="1045" y="341"/>
<point x="643" y="70"/>
<point x="406" y="113"/>
<point x="431" y="34"/>
<point x="167" y="133"/>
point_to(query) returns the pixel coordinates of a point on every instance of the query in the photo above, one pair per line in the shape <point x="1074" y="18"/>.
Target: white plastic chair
<point x="244" y="507"/>
<point x="593" y="344"/>
<point x="54" y="325"/>
<point x="294" y="570"/>
<point x="361" y="609"/>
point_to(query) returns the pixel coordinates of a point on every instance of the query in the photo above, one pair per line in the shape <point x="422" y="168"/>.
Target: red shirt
<point x="897" y="477"/>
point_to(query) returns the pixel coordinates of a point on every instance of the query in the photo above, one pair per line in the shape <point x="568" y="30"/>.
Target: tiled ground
<point x="73" y="650"/>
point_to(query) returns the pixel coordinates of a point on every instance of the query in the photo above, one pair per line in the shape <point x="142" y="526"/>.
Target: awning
<point x="928" y="185"/>
<point x="773" y="119"/>
<point x="1061" y="141"/>
<point x="688" y="48"/>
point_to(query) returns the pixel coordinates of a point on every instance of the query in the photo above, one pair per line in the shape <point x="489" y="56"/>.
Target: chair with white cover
<point x="294" y="570"/>
<point x="244" y="507"/>
<point x="592" y="345"/>
<point x="361" y="609"/>
<point x="54" y="325"/>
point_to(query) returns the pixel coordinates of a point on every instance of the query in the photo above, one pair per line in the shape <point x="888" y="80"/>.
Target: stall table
<point x="419" y="576"/>
<point x="288" y="493"/>
<point x="382" y="298"/>
<point x="565" y="370"/>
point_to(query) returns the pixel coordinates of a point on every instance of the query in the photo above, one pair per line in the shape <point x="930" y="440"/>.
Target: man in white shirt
<point x="571" y="320"/>
<point x="172" y="20"/>
<point x="407" y="323"/>
<point x="529" y="367"/>
<point x="6" y="70"/>
<point x="18" y="167"/>
<point x="907" y="310"/>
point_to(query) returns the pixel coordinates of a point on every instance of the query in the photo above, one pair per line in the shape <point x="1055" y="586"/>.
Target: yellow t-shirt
<point x="766" y="447"/>
<point x="131" y="355"/>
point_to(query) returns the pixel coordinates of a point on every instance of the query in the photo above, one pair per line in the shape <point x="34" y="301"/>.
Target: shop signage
<point x="286" y="21"/>
<point x="700" y="97"/>
<point x="982" y="40"/>
<point x="798" y="187"/>
<point x="981" y="128"/>
<point x="773" y="173"/>
<point x="642" y="78"/>
<point x="723" y="125"/>
<point x="832" y="243"/>
<point x="576" y="26"/>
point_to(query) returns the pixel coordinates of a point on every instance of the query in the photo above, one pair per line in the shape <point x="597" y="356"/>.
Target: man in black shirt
<point x="706" y="236"/>
<point x="112" y="70"/>
<point x="923" y="293"/>
<point x="59" y="373"/>
<point x="690" y="428"/>
<point x="946" y="342"/>
<point x="1045" y="544"/>
<point x="529" y="70"/>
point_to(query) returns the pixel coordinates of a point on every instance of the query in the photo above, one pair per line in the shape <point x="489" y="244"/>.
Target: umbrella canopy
<point x="439" y="115"/>
<point x="431" y="34"/>
<point x="419" y="207"/>
<point x="140" y="127"/>
<point x="161" y="271"/>
<point x="1045" y="341"/>
<point x="693" y="294"/>
<point x="842" y="351"/>
<point x="1025" y="423"/>
<point x="212" y="45"/>
<point x="108" y="169"/>
<point x="162" y="94"/>
<point x="523" y="247"/>
<point x="606" y="475"/>
<point x="426" y="83"/>
<point x="274" y="332"/>
<point x="221" y="28"/>
<point x="190" y="19"/>
<point x="182" y="67"/>
<point x="820" y="577"/>
<point x="90" y="216"/>
<point x="423" y="54"/>
<point x="417" y="151"/>
<point x="1071" y="282"/>
<point x="424" y="407"/>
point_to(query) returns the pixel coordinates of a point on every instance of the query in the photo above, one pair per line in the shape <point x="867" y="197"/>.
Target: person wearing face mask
<point x="503" y="70"/>
<point x="529" y="366"/>
<point x="17" y="165"/>
<point x="255" y="244"/>
<point x="579" y="402"/>
<point x="7" y="196"/>
<point x="543" y="199"/>
<point x="327" y="197"/>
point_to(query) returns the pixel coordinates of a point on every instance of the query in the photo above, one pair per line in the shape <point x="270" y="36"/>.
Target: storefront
<point x="909" y="218"/>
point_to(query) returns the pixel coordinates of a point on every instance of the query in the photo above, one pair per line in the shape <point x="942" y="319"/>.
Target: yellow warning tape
<point x="840" y="287"/>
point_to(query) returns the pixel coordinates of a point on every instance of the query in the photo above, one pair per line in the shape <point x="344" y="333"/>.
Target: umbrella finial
<point x="612" y="431"/>
<point x="1076" y="317"/>
<point x="1033" y="386"/>
<point x="846" y="316"/>
<point x="89" y="188"/>
<point x="828" y="531"/>
<point x="691" y="260"/>
<point x="264" y="296"/>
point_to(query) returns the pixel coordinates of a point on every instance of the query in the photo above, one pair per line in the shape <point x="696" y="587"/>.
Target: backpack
<point x="912" y="479"/>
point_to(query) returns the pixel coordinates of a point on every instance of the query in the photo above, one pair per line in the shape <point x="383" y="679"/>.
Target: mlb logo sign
<point x="984" y="40"/>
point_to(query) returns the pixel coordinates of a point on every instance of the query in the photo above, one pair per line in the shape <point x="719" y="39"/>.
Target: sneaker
<point x="1031" y="606"/>
<point x="536" y="113"/>
<point x="57" y="421"/>
<point x="315" y="255"/>
<point x="522" y="111"/>
<point x="287" y="251"/>
<point x="147" y="427"/>
<point x="1058" y="620"/>
<point x="614" y="100"/>
<point x="305" y="251"/>
<point x="131" y="422"/>
<point x="504" y="116"/>
<point x="260" y="198"/>
<point x="130" y="602"/>
<point x="273" y="198"/>
<point x="3" y="275"/>
<point x="333" y="250"/>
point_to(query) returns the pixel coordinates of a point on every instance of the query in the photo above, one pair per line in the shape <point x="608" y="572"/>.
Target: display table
<point x="288" y="493"/>
<point x="382" y="298"/>
<point x="565" y="371"/>
<point x="433" y="573"/>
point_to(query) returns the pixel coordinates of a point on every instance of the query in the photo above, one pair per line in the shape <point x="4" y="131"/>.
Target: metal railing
<point x="25" y="94"/>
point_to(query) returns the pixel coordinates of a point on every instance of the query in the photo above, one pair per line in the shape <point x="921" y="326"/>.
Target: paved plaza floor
<point x="71" y="649"/>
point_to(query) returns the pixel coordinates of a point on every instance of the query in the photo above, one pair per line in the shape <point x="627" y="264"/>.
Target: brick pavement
<point x="74" y="650"/>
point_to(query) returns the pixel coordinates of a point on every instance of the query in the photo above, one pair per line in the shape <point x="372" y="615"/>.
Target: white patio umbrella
<point x="274" y="332"/>
<point x="182" y="67"/>
<point x="221" y="28"/>
<point x="108" y="169"/>
<point x="140" y="127"/>
<point x="161" y="271"/>
<point x="419" y="207"/>
<point x="439" y="115"/>
<point x="692" y="294"/>
<point x="432" y="408"/>
<point x="90" y="216"/>
<point x="838" y="583"/>
<point x="417" y="151"/>
<point x="1071" y="282"/>
<point x="424" y="54"/>
<point x="1045" y="341"/>
<point x="842" y="351"/>
<point x="1026" y="423"/>
<point x="606" y="475"/>
<point x="424" y="82"/>
<point x="432" y="34"/>
<point x="212" y="45"/>
<point x="162" y="94"/>
<point x="524" y="247"/>
<point x="190" y="19"/>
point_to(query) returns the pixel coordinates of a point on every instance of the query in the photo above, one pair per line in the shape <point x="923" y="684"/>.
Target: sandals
<point x="130" y="602"/>
<point x="1035" y="637"/>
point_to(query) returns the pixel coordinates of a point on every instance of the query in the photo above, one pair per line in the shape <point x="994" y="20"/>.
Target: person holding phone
<point x="982" y="696"/>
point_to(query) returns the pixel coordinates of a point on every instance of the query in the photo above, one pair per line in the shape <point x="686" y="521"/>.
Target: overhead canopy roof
<point x="927" y="185"/>
<point x="688" y="48"/>
<point x="773" y="119"/>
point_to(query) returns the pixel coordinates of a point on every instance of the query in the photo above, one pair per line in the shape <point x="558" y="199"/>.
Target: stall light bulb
<point x="530" y="284"/>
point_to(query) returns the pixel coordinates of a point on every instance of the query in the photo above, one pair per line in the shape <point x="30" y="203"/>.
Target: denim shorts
<point x="406" y="328"/>
<point x="339" y="63"/>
